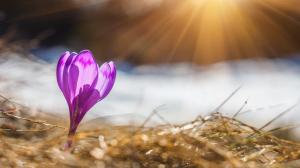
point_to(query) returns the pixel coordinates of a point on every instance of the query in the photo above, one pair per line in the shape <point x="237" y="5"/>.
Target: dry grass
<point x="214" y="141"/>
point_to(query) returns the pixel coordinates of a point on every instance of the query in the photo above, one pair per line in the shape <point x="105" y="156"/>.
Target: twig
<point x="18" y="130"/>
<point x="225" y="101"/>
<point x="6" y="113"/>
<point x="148" y="118"/>
<point x="278" y="129"/>
<point x="242" y="107"/>
<point x="283" y="128"/>
<point x="278" y="116"/>
<point x="163" y="119"/>
<point x="271" y="121"/>
<point x="14" y="102"/>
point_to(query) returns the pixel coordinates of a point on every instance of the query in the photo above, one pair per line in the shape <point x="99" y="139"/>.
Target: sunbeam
<point x="206" y="31"/>
<point x="198" y="31"/>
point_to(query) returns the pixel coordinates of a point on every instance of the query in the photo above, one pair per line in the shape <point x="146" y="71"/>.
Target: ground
<point x="37" y="140"/>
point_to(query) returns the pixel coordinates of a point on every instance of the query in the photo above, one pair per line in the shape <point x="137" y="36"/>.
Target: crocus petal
<point x="111" y="80"/>
<point x="83" y="71"/>
<point x="62" y="71"/>
<point x="88" y="104"/>
<point x="93" y="98"/>
<point x="60" y="67"/>
<point x="106" y="79"/>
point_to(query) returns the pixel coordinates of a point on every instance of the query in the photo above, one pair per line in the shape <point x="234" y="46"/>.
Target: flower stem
<point x="69" y="142"/>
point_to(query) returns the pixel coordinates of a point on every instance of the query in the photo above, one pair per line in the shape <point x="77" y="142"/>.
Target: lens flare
<point x="206" y="31"/>
<point x="198" y="31"/>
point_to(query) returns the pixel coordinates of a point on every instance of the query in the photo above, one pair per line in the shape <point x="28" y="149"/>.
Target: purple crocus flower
<point x="83" y="84"/>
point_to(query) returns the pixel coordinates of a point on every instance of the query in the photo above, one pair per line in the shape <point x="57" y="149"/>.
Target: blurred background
<point x="156" y="31"/>
<point x="180" y="57"/>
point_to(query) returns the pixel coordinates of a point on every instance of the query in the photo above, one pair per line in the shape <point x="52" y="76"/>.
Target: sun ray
<point x="207" y="31"/>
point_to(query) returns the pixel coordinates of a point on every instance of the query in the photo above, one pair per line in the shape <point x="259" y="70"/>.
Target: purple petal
<point x="60" y="67"/>
<point x="62" y="71"/>
<point x="93" y="98"/>
<point x="83" y="71"/>
<point x="112" y="76"/>
<point x="88" y="103"/>
<point x="106" y="79"/>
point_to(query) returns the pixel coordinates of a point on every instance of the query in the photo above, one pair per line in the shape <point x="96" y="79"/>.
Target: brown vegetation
<point x="213" y="141"/>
